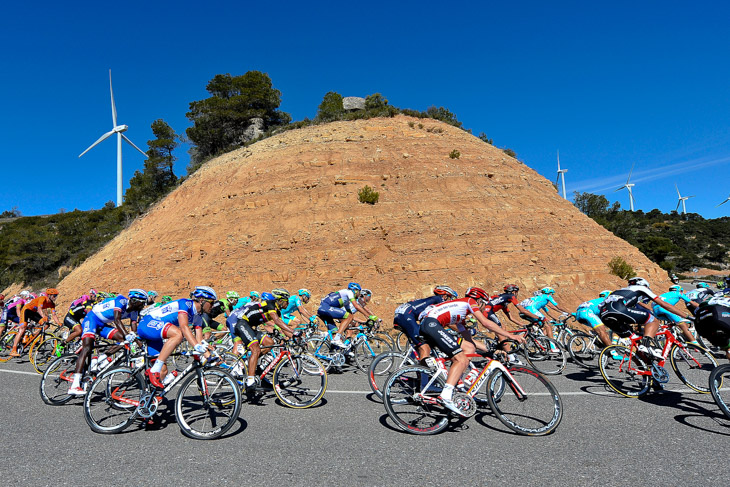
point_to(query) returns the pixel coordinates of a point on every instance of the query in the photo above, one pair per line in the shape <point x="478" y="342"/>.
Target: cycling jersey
<point x="588" y="311"/>
<point x="700" y="295"/>
<point x="592" y="305"/>
<point x="541" y="301"/>
<point x="336" y="306"/>
<point x="154" y="327"/>
<point x="294" y="303"/>
<point x="406" y="315"/>
<point x="104" y="311"/>
<point x="258" y="313"/>
<point x="453" y="312"/>
<point x="713" y="321"/>
<point x="80" y="307"/>
<point x="33" y="309"/>
<point x="620" y="309"/>
<point x="501" y="301"/>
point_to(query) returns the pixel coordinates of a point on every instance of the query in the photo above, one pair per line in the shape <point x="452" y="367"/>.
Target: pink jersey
<point x="82" y="299"/>
<point x="18" y="303"/>
<point x="453" y="312"/>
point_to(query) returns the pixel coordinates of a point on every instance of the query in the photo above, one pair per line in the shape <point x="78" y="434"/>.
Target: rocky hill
<point x="285" y="212"/>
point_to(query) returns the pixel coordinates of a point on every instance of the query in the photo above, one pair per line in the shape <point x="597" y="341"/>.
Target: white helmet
<point x="25" y="294"/>
<point x="639" y="281"/>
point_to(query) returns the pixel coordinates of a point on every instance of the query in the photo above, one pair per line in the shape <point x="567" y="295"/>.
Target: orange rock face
<point x="285" y="213"/>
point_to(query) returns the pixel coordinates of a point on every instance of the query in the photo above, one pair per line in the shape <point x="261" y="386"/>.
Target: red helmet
<point x="2" y="297"/>
<point x="511" y="288"/>
<point x="445" y="291"/>
<point x="476" y="293"/>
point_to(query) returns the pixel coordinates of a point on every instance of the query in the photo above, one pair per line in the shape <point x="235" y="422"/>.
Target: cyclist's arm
<point x="524" y="311"/>
<point x="362" y="309"/>
<point x="278" y="323"/>
<point x="491" y="326"/>
<point x="182" y="320"/>
<point x="118" y="322"/>
<point x="303" y="311"/>
<point x="671" y="308"/>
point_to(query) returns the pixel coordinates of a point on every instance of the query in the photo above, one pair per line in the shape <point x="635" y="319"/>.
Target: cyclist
<point x="726" y="291"/>
<point x="542" y="301"/>
<point x="501" y="302"/>
<point x="3" y="314"/>
<point x="75" y="315"/>
<point x="713" y="322"/>
<point x="11" y="313"/>
<point x="675" y="294"/>
<point x="105" y="320"/>
<point x="341" y="305"/>
<point x="151" y="296"/>
<point x="253" y="315"/>
<point x="406" y="316"/>
<point x="296" y="303"/>
<point x="34" y="310"/>
<point x="454" y="313"/>
<point x="164" y="328"/>
<point x="700" y="294"/>
<point x="205" y="323"/>
<point x="626" y="307"/>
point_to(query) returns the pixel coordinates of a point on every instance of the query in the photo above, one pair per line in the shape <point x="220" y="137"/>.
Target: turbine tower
<point x="681" y="200"/>
<point x="561" y="177"/>
<point x="119" y="130"/>
<point x="726" y="200"/>
<point x="628" y="186"/>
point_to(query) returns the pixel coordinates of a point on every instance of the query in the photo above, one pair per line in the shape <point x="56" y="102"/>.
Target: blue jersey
<point x="340" y="299"/>
<point x="294" y="303"/>
<point x="170" y="312"/>
<point x="592" y="304"/>
<point x="242" y="302"/>
<point x="418" y="305"/>
<point x="104" y="311"/>
<point x="541" y="301"/>
<point x="673" y="297"/>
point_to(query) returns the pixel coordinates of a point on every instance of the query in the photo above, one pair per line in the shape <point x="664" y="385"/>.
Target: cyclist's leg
<point x="433" y="332"/>
<point x="408" y="324"/>
<point x="250" y="339"/>
<point x="24" y="316"/>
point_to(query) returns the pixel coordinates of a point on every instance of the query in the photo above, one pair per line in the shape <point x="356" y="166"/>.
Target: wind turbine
<point x="119" y="130"/>
<point x="681" y="200"/>
<point x="726" y="200"/>
<point x="561" y="177"/>
<point x="628" y="187"/>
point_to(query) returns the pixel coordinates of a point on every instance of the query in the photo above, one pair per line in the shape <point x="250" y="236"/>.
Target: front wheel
<point x="57" y="379"/>
<point x="583" y="350"/>
<point x="382" y="366"/>
<point x="693" y="365"/>
<point x="111" y="403"/>
<point x="367" y="349"/>
<point x="44" y="352"/>
<point x="525" y="401"/>
<point x="411" y="408"/>
<point x="718" y="378"/>
<point x="300" y="383"/>
<point x="207" y="404"/>
<point x="545" y="355"/>
<point x="624" y="372"/>
<point x="6" y="345"/>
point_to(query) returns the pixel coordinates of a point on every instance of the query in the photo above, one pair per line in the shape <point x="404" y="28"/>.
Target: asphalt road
<point x="672" y="437"/>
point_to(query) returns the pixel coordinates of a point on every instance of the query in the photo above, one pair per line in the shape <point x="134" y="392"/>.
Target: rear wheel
<point x="44" y="352"/>
<point x="6" y="345"/>
<point x="300" y="383"/>
<point x="367" y="350"/>
<point x="235" y="365"/>
<point x="624" y="372"/>
<point x="693" y="365"/>
<point x="111" y="403"/>
<point x="207" y="404"/>
<point x="325" y="352"/>
<point x="57" y="379"/>
<point x="545" y="355"/>
<point x="382" y="366"/>
<point x="410" y="410"/>
<point x="583" y="350"/>
<point x="719" y="382"/>
<point x="401" y="341"/>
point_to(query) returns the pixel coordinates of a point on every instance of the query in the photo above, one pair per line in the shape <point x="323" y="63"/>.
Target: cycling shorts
<point x="69" y="321"/>
<point x="92" y="326"/>
<point x="534" y="311"/>
<point x="329" y="314"/>
<point x="616" y="316"/>
<point x="492" y="316"/>
<point x="713" y="323"/>
<point x="662" y="313"/>
<point x="154" y="332"/>
<point x="436" y="336"/>
<point x="407" y="322"/>
<point x="247" y="334"/>
<point x="13" y="315"/>
<point x="586" y="316"/>
<point x="31" y="315"/>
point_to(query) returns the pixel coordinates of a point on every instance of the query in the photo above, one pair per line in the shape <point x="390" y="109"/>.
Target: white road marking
<point x="19" y="372"/>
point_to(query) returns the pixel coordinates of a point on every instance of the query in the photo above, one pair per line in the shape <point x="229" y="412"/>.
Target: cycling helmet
<point x="166" y="299"/>
<point x="604" y="294"/>
<point x="2" y="297"/>
<point x="254" y="295"/>
<point x="674" y="279"/>
<point x="445" y="291"/>
<point x="152" y="294"/>
<point x="281" y="293"/>
<point x="703" y="285"/>
<point x="476" y="293"/>
<point x="232" y="295"/>
<point x="547" y="290"/>
<point x="676" y="287"/>
<point x="138" y="295"/>
<point x="268" y="297"/>
<point x="92" y="293"/>
<point x="639" y="281"/>
<point x="727" y="281"/>
<point x="366" y="293"/>
<point x="205" y="292"/>
<point x="511" y="288"/>
<point x="353" y="286"/>
<point x="24" y="294"/>
<point x="305" y="292"/>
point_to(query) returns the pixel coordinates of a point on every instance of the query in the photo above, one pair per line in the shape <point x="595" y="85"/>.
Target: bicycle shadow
<point x="456" y="425"/>
<point x="696" y="408"/>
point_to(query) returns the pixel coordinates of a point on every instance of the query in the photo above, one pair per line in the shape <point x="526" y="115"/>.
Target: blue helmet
<point x="305" y="292"/>
<point x="703" y="285"/>
<point x="547" y="290"/>
<point x="152" y="294"/>
<point x="204" y="292"/>
<point x="254" y="294"/>
<point x="138" y="295"/>
<point x="268" y="297"/>
<point x="353" y="286"/>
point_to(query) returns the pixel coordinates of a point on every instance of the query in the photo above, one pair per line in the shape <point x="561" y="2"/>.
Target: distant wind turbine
<point x="726" y="200"/>
<point x="628" y="187"/>
<point x="681" y="200"/>
<point x="561" y="177"/>
<point x="117" y="129"/>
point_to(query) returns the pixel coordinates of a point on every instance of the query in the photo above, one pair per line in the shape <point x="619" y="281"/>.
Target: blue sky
<point x="608" y="85"/>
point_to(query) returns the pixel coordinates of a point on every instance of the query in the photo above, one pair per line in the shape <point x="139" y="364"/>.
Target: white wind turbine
<point x="681" y="200"/>
<point x="117" y="129"/>
<point x="726" y="200"/>
<point x="561" y="177"/>
<point x="628" y="187"/>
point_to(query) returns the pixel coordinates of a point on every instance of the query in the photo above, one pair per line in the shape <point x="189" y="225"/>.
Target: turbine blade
<point x="105" y="136"/>
<point x="688" y="197"/>
<point x="622" y="187"/>
<point x="678" y="203"/>
<point x="132" y="144"/>
<point x="723" y="202"/>
<point x="675" y="185"/>
<point x="558" y="160"/>
<point x="631" y="171"/>
<point x="114" y="108"/>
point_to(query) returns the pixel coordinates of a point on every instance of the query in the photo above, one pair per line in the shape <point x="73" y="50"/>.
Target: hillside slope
<point x="285" y="212"/>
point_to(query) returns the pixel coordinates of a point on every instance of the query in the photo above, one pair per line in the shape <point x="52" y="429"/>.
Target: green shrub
<point x="367" y="195"/>
<point x="486" y="139"/>
<point x="510" y="153"/>
<point x="619" y="267"/>
<point x="455" y="154"/>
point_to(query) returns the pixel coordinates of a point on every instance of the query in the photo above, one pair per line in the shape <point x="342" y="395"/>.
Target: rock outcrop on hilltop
<point x="285" y="212"/>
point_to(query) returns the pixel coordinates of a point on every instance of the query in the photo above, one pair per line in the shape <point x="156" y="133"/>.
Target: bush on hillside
<point x="368" y="195"/>
<point x="619" y="267"/>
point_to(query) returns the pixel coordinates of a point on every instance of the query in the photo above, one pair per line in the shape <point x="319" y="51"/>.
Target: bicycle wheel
<point x="44" y="353"/>
<point x="529" y="404"/>
<point x="630" y="379"/>
<point x="56" y="380"/>
<point x="386" y="337"/>
<point x="583" y="350"/>
<point x="325" y="353"/>
<point x="545" y="355"/>
<point x="235" y="365"/>
<point x="6" y="345"/>
<point x="111" y="403"/>
<point x="300" y="383"/>
<point x="719" y="382"/>
<point x="693" y="365"/>
<point x="183" y="356"/>
<point x="207" y="404"/>
<point x="367" y="350"/>
<point x="382" y="366"/>
<point x="401" y="341"/>
<point x="411" y="412"/>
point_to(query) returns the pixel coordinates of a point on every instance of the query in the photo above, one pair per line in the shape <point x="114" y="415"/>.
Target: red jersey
<point x="453" y="312"/>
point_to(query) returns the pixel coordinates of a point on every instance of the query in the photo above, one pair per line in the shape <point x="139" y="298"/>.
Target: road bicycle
<point x="207" y="403"/>
<point x="523" y="399"/>
<point x="719" y="387"/>
<point x="632" y="374"/>
<point x="360" y="349"/>
<point x="34" y="334"/>
<point x="543" y="353"/>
